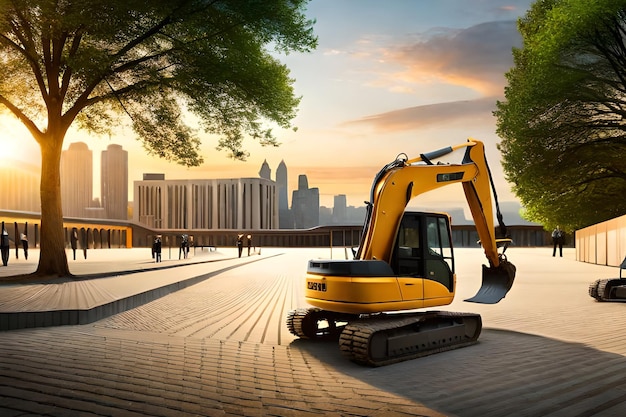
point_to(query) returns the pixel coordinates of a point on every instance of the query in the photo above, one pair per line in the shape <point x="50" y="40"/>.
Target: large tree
<point x="563" y="121"/>
<point x="92" y="63"/>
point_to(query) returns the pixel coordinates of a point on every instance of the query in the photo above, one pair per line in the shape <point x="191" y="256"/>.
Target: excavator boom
<point x="397" y="182"/>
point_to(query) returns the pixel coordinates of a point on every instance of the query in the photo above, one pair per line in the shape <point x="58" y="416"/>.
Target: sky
<point x="399" y="76"/>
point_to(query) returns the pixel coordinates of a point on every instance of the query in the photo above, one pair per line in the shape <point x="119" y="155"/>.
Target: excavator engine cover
<point x="497" y="281"/>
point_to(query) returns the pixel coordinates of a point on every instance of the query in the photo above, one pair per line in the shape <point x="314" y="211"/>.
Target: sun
<point x="16" y="143"/>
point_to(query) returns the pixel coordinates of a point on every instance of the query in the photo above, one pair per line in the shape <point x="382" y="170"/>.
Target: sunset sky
<point x="390" y="77"/>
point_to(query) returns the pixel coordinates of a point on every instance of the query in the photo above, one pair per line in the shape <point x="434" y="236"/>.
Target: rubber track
<point x="601" y="289"/>
<point x="294" y="321"/>
<point x="593" y="289"/>
<point x="355" y="339"/>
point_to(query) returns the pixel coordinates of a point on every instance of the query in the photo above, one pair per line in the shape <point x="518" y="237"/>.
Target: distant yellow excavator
<point x="405" y="261"/>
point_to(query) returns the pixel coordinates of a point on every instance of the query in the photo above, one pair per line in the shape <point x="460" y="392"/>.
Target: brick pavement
<point x="546" y="349"/>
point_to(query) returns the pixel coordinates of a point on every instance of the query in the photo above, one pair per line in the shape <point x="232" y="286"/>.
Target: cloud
<point x="475" y="58"/>
<point x="440" y="114"/>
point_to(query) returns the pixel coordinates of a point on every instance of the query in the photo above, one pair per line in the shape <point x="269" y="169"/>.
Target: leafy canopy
<point x="562" y="122"/>
<point x="90" y="61"/>
<point x="157" y="63"/>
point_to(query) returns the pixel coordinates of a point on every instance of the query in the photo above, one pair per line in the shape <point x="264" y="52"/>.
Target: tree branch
<point x="30" y="125"/>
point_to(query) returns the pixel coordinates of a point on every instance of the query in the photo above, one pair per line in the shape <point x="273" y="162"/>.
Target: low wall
<point x="603" y="243"/>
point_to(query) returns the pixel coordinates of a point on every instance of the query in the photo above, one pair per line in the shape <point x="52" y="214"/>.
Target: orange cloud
<point x="476" y="58"/>
<point x="441" y="114"/>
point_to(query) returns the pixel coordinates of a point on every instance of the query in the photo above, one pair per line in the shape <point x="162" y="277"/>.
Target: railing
<point x="99" y="233"/>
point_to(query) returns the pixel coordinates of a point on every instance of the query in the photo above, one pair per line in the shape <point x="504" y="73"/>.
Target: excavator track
<point x="387" y="339"/>
<point x="612" y="289"/>
<point x="315" y="323"/>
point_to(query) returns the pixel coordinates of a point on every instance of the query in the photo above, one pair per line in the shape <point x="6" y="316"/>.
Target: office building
<point x="305" y="205"/>
<point x="285" y="219"/>
<point x="340" y="209"/>
<point x="114" y="182"/>
<point x="265" y="171"/>
<point x="242" y="203"/>
<point x="76" y="180"/>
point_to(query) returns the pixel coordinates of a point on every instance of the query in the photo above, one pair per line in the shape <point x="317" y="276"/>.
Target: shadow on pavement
<point x="506" y="374"/>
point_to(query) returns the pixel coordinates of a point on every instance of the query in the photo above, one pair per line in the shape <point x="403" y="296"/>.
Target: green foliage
<point x="157" y="63"/>
<point x="91" y="61"/>
<point x="562" y="123"/>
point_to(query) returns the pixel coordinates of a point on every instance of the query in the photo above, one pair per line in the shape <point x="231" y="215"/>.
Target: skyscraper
<point x="265" y="172"/>
<point x="76" y="179"/>
<point x="114" y="182"/>
<point x="285" y="218"/>
<point x="340" y="209"/>
<point x="305" y="205"/>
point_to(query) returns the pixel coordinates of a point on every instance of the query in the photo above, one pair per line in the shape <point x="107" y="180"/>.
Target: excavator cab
<point x="423" y="248"/>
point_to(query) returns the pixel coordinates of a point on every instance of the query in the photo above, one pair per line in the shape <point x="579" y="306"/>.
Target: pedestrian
<point x="24" y="240"/>
<point x="249" y="237"/>
<point x="240" y="244"/>
<point x="557" y="240"/>
<point x="85" y="235"/>
<point x="4" y="245"/>
<point x="74" y="241"/>
<point x="156" y="248"/>
<point x="184" y="246"/>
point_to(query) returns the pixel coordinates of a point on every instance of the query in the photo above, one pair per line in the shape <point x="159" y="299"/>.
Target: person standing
<point x="249" y="237"/>
<point x="4" y="245"/>
<point x="74" y="241"/>
<point x="184" y="246"/>
<point x="85" y="236"/>
<point x="557" y="240"/>
<point x="240" y="244"/>
<point x="24" y="240"/>
<point x="156" y="248"/>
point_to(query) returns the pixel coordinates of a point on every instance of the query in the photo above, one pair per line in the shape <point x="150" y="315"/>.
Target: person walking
<point x="24" y="240"/>
<point x="249" y="237"/>
<point x="557" y="240"/>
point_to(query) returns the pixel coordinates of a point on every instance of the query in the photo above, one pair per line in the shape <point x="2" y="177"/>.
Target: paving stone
<point x="546" y="349"/>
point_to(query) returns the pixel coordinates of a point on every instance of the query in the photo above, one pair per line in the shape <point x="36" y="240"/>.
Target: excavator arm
<point x="403" y="179"/>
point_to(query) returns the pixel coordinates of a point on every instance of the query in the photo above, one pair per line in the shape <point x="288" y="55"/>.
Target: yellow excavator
<point x="405" y="261"/>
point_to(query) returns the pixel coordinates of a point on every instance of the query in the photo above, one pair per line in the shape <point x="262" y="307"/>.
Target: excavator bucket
<point x="497" y="282"/>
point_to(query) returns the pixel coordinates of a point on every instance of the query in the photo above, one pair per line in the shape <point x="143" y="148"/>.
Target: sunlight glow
<point x="16" y="144"/>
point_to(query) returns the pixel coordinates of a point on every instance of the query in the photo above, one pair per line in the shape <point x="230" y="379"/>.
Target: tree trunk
<point x="52" y="259"/>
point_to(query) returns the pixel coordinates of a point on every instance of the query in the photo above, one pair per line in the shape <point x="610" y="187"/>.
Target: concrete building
<point x="76" y="180"/>
<point x="242" y="203"/>
<point x="114" y="182"/>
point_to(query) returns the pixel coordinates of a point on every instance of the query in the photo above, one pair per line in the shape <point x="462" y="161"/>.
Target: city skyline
<point x="387" y="78"/>
<point x="77" y="170"/>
